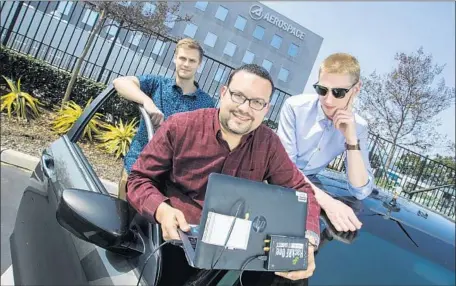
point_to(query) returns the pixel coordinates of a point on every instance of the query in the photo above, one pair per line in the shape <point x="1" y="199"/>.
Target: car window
<point x="99" y="149"/>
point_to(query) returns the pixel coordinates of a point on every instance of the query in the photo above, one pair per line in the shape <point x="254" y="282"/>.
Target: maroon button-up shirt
<point x="174" y="166"/>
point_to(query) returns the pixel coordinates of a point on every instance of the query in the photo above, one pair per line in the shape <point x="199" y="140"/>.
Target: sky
<point x="375" y="31"/>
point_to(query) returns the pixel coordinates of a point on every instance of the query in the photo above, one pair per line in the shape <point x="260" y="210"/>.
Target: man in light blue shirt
<point x="315" y="129"/>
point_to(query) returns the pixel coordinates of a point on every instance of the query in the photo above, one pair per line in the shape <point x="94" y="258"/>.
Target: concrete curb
<point x="19" y="159"/>
<point x="29" y="162"/>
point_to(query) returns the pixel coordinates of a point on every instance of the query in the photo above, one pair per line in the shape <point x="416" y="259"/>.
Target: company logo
<point x="256" y="12"/>
<point x="259" y="224"/>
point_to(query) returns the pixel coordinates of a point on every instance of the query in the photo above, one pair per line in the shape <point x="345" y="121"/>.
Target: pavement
<point x="27" y="162"/>
<point x="13" y="181"/>
<point x="16" y="168"/>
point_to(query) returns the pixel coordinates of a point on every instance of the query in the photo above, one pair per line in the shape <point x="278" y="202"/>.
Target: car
<point x="70" y="231"/>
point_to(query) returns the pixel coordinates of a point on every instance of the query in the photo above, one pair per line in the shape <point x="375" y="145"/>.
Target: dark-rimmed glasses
<point x="254" y="103"/>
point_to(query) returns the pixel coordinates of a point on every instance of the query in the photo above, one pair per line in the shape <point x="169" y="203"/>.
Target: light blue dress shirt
<point x="312" y="141"/>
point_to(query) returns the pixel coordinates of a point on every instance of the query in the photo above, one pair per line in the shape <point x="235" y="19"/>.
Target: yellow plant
<point x="116" y="139"/>
<point x="18" y="102"/>
<point x="67" y="116"/>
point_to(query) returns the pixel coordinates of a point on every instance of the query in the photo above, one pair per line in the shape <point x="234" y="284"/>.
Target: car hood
<point x="398" y="244"/>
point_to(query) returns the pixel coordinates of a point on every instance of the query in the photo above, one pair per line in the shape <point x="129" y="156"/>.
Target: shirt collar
<point x="197" y="91"/>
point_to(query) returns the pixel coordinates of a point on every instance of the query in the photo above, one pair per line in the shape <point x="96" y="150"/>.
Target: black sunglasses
<point x="337" y="92"/>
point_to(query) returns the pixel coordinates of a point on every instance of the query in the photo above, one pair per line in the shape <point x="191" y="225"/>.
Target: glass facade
<point x="221" y="13"/>
<point x="210" y="39"/>
<point x="276" y="41"/>
<point x="190" y="30"/>
<point x="258" y="33"/>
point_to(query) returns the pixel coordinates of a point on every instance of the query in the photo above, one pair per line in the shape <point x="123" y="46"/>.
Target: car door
<point x="43" y="252"/>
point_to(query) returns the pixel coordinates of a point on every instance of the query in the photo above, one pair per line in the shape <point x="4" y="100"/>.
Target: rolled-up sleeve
<point x="362" y="192"/>
<point x="154" y="162"/>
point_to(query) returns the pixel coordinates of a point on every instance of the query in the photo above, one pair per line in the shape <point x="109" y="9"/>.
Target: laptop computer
<point x="260" y="210"/>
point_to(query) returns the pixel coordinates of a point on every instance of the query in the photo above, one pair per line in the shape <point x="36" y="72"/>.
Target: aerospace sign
<point x="256" y="13"/>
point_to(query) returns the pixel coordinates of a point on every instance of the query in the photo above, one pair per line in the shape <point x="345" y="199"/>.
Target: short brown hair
<point x="341" y="63"/>
<point x="189" y="43"/>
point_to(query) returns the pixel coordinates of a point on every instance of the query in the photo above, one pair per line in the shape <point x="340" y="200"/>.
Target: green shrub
<point x="116" y="139"/>
<point x="271" y="124"/>
<point x="19" y="102"/>
<point x="49" y="84"/>
<point x="67" y="116"/>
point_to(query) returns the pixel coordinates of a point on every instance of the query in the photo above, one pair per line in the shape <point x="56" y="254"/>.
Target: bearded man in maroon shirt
<point x="167" y="183"/>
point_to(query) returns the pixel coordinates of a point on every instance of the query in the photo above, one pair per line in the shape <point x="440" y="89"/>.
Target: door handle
<point x="47" y="165"/>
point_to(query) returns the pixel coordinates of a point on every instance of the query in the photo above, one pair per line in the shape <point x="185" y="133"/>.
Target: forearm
<point x="129" y="88"/>
<point x="320" y="195"/>
<point x="356" y="169"/>
<point x="143" y="195"/>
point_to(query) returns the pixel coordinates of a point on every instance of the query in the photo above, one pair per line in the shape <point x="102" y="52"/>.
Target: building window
<point x="90" y="17"/>
<point x="136" y="38"/>
<point x="293" y="50"/>
<point x="240" y="23"/>
<point x="170" y="20"/>
<point x="124" y="3"/>
<point x="159" y="47"/>
<point x="210" y="40"/>
<point x="283" y="74"/>
<point x="190" y="30"/>
<point x="230" y="49"/>
<point x="267" y="65"/>
<point x="202" y="5"/>
<point x="220" y="75"/>
<point x="276" y="41"/>
<point x="64" y="7"/>
<point x="201" y="66"/>
<point x="248" y="57"/>
<point x="148" y="9"/>
<point x="258" y="33"/>
<point x="221" y="13"/>
<point x="112" y="29"/>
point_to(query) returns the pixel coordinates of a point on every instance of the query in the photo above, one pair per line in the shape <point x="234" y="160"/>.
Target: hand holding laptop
<point x="302" y="274"/>
<point x="170" y="220"/>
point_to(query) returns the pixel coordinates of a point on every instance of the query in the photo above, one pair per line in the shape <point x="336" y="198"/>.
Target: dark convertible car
<point x="70" y="231"/>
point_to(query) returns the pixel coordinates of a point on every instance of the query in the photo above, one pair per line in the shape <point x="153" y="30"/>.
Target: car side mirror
<point x="99" y="219"/>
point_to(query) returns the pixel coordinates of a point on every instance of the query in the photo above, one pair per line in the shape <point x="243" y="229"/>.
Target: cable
<point x="226" y="242"/>
<point x="229" y="234"/>
<point x="175" y="242"/>
<point x="250" y="259"/>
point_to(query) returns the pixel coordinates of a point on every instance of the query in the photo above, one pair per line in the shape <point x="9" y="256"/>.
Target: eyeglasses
<point x="337" y="92"/>
<point x="254" y="103"/>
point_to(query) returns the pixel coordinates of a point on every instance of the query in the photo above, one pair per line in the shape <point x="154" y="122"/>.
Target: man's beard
<point x="229" y="124"/>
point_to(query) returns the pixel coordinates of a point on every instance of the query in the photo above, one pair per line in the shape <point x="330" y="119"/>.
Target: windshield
<point x="371" y="260"/>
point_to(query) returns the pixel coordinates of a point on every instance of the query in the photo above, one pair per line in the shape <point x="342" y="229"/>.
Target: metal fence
<point x="56" y="32"/>
<point x="416" y="177"/>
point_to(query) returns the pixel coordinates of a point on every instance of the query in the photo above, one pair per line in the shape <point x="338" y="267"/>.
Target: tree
<point x="402" y="105"/>
<point x="446" y="160"/>
<point x="410" y="164"/>
<point x="135" y="16"/>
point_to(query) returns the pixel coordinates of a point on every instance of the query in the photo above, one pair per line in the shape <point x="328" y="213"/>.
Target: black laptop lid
<point x="271" y="210"/>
